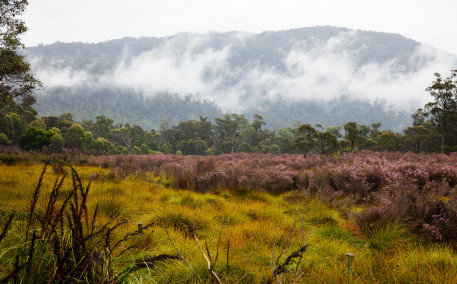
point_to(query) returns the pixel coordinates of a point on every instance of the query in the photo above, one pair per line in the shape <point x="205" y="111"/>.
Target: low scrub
<point x="415" y="189"/>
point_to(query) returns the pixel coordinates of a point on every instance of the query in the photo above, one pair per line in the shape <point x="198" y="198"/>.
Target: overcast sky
<point x="432" y="22"/>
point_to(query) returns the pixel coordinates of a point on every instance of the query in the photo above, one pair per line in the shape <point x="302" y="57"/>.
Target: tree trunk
<point x="442" y="134"/>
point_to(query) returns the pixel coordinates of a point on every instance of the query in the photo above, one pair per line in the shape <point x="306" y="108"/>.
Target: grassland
<point x="252" y="232"/>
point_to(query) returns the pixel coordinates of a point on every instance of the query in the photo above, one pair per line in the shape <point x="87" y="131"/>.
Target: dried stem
<point x="182" y="257"/>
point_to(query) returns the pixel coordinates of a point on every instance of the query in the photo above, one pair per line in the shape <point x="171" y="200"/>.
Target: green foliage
<point x="388" y="238"/>
<point x="443" y="110"/>
<point x="16" y="81"/>
<point x="56" y="143"/>
<point x="327" y="143"/>
<point x="227" y="131"/>
<point x="195" y="146"/>
<point x="209" y="152"/>
<point x="113" y="150"/>
<point x="4" y="141"/>
<point x="306" y="138"/>
<point x="144" y="149"/>
<point x="148" y="139"/>
<point x="102" y="126"/>
<point x="136" y="150"/>
<point x="285" y="139"/>
<point x="6" y="124"/>
<point x="249" y="135"/>
<point x="34" y="139"/>
<point x="165" y="148"/>
<point x="75" y="136"/>
<point x="101" y="145"/>
<point x="245" y="147"/>
<point x="88" y="141"/>
<point x="124" y="106"/>
<point x="387" y="141"/>
<point x="18" y="126"/>
<point x="352" y="133"/>
<point x="417" y="137"/>
<point x="37" y="124"/>
<point x="274" y="149"/>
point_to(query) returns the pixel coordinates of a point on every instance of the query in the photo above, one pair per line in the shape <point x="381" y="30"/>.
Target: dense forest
<point x="134" y="107"/>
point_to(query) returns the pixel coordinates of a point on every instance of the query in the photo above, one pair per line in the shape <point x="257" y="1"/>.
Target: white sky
<point x="432" y="22"/>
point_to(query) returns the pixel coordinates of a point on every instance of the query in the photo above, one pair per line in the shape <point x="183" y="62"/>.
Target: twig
<point x="182" y="257"/>
<point x="228" y="251"/>
<point x="282" y="268"/>
<point x="35" y="200"/>
<point x="5" y="229"/>
<point x="273" y="252"/>
<point x="150" y="262"/>
<point x="208" y="260"/>
<point x="245" y="269"/>
<point x="218" y="243"/>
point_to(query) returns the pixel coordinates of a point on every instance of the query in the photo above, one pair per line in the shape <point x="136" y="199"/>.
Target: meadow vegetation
<point x="249" y="218"/>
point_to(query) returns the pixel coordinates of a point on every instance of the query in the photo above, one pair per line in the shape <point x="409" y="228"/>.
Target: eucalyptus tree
<point x="443" y="109"/>
<point x="16" y="81"/>
<point x="306" y="138"/>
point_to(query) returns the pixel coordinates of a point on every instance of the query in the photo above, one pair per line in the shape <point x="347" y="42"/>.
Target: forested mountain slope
<point x="325" y="75"/>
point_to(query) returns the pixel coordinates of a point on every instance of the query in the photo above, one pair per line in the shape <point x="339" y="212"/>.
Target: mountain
<point x="326" y="75"/>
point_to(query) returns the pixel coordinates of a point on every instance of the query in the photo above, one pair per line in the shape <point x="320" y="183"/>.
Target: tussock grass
<point x="388" y="238"/>
<point x="241" y="227"/>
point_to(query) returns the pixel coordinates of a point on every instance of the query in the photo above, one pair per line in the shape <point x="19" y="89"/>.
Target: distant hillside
<point x="326" y="75"/>
<point x="125" y="106"/>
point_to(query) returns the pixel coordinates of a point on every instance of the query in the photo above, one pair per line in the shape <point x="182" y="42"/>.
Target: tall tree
<point x="306" y="138"/>
<point x="352" y="133"/>
<point x="444" y="92"/>
<point x="227" y="131"/>
<point x="416" y="136"/>
<point x="327" y="143"/>
<point x="16" y="81"/>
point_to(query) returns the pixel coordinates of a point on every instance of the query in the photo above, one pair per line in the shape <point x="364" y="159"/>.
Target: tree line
<point x="434" y="130"/>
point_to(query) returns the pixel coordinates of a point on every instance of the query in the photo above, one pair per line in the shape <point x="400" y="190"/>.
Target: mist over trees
<point x="124" y="106"/>
<point x="320" y="75"/>
<point x="434" y="130"/>
<point x="128" y="106"/>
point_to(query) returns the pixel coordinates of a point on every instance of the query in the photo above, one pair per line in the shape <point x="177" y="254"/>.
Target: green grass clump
<point x="388" y="238"/>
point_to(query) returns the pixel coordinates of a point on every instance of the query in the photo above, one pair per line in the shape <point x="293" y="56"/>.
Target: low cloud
<point x="62" y="77"/>
<point x="326" y="72"/>
<point x="170" y="70"/>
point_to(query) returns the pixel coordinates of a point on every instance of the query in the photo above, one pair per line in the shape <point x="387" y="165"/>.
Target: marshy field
<point x="235" y="218"/>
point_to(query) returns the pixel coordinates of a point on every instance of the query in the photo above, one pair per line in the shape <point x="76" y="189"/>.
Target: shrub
<point x="57" y="143"/>
<point x="4" y="140"/>
<point x="34" y="139"/>
<point x="136" y="150"/>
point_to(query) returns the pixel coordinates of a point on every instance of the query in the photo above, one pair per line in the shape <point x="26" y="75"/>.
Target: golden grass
<point x="252" y="223"/>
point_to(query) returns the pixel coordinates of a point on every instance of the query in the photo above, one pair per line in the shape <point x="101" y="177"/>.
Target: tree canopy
<point x="16" y="80"/>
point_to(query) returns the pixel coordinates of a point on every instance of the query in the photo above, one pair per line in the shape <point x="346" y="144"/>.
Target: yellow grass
<point x="255" y="224"/>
